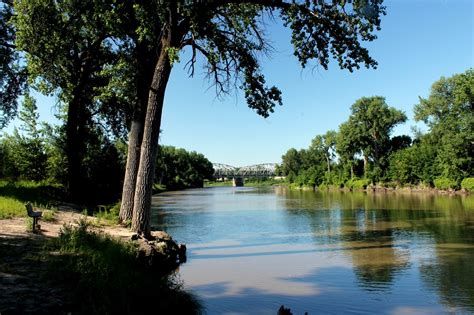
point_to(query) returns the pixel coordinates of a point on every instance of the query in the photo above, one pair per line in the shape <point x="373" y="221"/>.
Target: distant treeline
<point x="37" y="152"/>
<point x="179" y="169"/>
<point x="362" y="151"/>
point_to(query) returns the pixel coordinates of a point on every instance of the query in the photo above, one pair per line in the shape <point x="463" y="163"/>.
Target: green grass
<point x="11" y="207"/>
<point x="48" y="215"/>
<point x="43" y="195"/>
<point x="110" y="216"/>
<point x="103" y="276"/>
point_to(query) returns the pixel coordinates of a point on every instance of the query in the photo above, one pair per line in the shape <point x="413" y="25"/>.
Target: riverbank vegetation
<point x="90" y="264"/>
<point x="83" y="270"/>
<point x="363" y="152"/>
<point x="253" y="182"/>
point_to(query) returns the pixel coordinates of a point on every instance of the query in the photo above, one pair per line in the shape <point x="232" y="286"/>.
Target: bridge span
<point x="224" y="171"/>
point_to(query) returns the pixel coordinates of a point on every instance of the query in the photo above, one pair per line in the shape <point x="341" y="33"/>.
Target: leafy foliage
<point x="357" y="183"/>
<point x="368" y="130"/>
<point x="25" y="154"/>
<point x="12" y="75"/>
<point x="468" y="183"/>
<point x="413" y="165"/>
<point x="178" y="168"/>
<point x="445" y="183"/>
<point x="442" y="157"/>
<point x="449" y="113"/>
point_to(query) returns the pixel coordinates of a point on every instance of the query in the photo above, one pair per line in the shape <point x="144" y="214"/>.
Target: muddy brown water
<point x="251" y="250"/>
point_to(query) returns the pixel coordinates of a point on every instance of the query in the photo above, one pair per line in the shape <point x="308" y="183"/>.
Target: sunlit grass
<point x="48" y="215"/>
<point x="11" y="207"/>
<point x="41" y="194"/>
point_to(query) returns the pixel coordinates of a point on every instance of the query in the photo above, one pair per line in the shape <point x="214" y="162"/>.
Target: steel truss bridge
<point x="222" y="171"/>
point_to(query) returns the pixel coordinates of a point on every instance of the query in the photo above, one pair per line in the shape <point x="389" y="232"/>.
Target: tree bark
<point x="72" y="152"/>
<point x="149" y="147"/>
<point x="131" y="169"/>
<point x="75" y="147"/>
<point x="366" y="164"/>
<point x="146" y="60"/>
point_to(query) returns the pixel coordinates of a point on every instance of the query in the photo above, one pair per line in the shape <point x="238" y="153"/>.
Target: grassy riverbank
<point x="77" y="263"/>
<point x="14" y="194"/>
<point x="102" y="275"/>
<point x="365" y="185"/>
<point x="361" y="184"/>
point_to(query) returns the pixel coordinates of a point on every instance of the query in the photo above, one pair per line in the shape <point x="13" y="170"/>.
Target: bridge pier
<point x="238" y="182"/>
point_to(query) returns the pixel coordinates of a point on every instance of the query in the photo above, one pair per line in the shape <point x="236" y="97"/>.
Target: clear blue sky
<point x="420" y="41"/>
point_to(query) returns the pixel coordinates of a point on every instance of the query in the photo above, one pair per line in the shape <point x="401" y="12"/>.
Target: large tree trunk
<point x="149" y="147"/>
<point x="131" y="169"/>
<point x="75" y="147"/>
<point x="147" y="60"/>
<point x="72" y="152"/>
<point x="366" y="164"/>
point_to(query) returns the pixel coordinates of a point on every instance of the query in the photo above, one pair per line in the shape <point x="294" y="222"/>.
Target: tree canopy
<point x="449" y="114"/>
<point x="12" y="75"/>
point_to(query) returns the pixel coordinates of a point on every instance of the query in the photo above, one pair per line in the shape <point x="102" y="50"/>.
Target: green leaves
<point x="178" y="168"/>
<point x="321" y="29"/>
<point x="449" y="113"/>
<point x="368" y="130"/>
<point x="12" y="75"/>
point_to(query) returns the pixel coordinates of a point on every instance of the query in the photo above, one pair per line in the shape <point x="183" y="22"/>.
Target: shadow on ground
<point x="23" y="288"/>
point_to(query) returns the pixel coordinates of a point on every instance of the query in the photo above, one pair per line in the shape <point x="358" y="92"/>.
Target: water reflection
<point x="252" y="250"/>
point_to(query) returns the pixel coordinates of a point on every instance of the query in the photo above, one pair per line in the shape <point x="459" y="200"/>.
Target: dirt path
<point x="22" y="291"/>
<point x="16" y="227"/>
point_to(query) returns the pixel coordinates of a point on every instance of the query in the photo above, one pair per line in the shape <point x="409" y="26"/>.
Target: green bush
<point x="357" y="183"/>
<point x="445" y="183"/>
<point x="323" y="187"/>
<point x="109" y="215"/>
<point x="468" y="183"/>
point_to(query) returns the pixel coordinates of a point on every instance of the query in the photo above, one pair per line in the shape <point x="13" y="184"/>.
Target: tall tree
<point x="143" y="29"/>
<point x="229" y="34"/>
<point x="326" y="144"/>
<point x="369" y="128"/>
<point x="27" y="151"/>
<point x="347" y="146"/>
<point x="449" y="113"/>
<point x="291" y="162"/>
<point x="67" y="45"/>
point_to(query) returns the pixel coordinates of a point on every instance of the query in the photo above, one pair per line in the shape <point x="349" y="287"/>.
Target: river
<point x="251" y="250"/>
